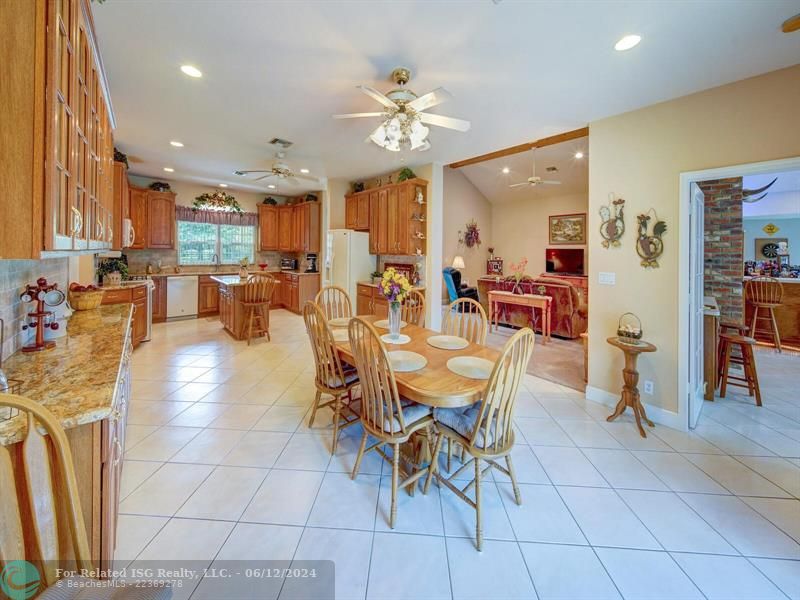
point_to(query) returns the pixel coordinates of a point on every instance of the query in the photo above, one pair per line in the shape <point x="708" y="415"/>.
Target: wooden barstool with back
<point x="256" y="298"/>
<point x="764" y="294"/>
<point x="332" y="376"/>
<point x="486" y="429"/>
<point x="334" y="302"/>
<point x="41" y="520"/>
<point x="385" y="415"/>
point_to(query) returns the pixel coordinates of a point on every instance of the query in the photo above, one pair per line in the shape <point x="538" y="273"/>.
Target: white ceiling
<point x="573" y="173"/>
<point x="518" y="70"/>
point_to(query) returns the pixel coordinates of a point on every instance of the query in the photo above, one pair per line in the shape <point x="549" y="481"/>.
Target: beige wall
<point x="639" y="156"/>
<point x="462" y="203"/>
<point x="186" y="192"/>
<point x="337" y="188"/>
<point x="520" y="228"/>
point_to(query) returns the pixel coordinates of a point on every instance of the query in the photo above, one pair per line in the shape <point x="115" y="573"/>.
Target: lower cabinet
<point x="138" y="297"/>
<point x="371" y="302"/>
<point x="160" y="300"/>
<point x="207" y="296"/>
<point x="294" y="290"/>
<point x="227" y="309"/>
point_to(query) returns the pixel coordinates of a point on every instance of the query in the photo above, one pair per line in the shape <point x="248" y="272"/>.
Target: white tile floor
<point x="220" y="463"/>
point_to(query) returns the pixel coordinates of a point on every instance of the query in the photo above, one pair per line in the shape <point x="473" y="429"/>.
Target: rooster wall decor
<point x="613" y="225"/>
<point x="650" y="247"/>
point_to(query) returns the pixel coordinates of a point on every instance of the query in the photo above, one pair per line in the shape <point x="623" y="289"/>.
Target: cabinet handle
<point x="132" y="239"/>
<point x="110" y="234"/>
<point x="99" y="230"/>
<point x="117" y="451"/>
<point x="77" y="221"/>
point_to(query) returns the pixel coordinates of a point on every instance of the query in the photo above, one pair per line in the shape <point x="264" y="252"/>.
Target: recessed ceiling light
<point x="270" y="186"/>
<point x="191" y="71"/>
<point x="169" y="169"/>
<point x="304" y="171"/>
<point x="579" y="155"/>
<point x="223" y="185"/>
<point x="176" y="144"/>
<point x="627" y="42"/>
<point x="506" y="170"/>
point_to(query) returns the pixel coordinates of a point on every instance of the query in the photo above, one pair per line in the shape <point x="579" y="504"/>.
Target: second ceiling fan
<point x="534" y="180"/>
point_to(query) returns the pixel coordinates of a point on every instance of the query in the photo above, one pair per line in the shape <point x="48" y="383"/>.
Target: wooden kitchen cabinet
<point x="160" y="300"/>
<point x="121" y="205"/>
<point x="299" y="228"/>
<point x="285" y="228"/>
<point x="137" y="208"/>
<point x="56" y="173"/>
<point x="267" y="227"/>
<point x="207" y="296"/>
<point x="357" y="211"/>
<point x="396" y="220"/>
<point x="369" y="301"/>
<point x="161" y="220"/>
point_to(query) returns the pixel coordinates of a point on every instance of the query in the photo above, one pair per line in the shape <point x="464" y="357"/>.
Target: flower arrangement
<point x="394" y="286"/>
<point x="218" y="200"/>
<point x="472" y="236"/>
<point x="518" y="269"/>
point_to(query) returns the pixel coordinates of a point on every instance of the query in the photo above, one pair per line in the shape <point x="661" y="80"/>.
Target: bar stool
<point x="765" y="293"/>
<point x="750" y="380"/>
<point x="256" y="298"/>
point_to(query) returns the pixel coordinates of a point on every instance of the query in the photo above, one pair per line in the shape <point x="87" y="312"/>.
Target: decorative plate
<point x="471" y="367"/>
<point x="447" y="342"/>
<point x="339" y="322"/>
<point x="384" y="324"/>
<point x="404" y="361"/>
<point x="398" y="341"/>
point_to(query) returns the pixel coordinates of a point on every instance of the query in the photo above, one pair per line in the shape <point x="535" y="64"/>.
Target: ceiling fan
<point x="403" y="115"/>
<point x="278" y="169"/>
<point x="533" y="180"/>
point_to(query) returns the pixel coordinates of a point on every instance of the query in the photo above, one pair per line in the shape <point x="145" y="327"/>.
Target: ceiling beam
<point x="791" y="24"/>
<point x="548" y="141"/>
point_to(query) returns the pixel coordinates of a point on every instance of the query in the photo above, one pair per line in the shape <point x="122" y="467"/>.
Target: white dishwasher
<point x="182" y="296"/>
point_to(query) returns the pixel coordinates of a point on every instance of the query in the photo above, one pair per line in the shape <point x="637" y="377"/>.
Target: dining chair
<point x="413" y="308"/>
<point x="764" y="294"/>
<point x="486" y="429"/>
<point x="334" y="302"/>
<point x="256" y="298"/>
<point x="40" y="506"/>
<point x="332" y="377"/>
<point x="466" y="318"/>
<point x="385" y="415"/>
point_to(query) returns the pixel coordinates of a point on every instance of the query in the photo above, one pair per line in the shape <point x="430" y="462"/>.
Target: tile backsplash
<point x="14" y="275"/>
<point x="139" y="259"/>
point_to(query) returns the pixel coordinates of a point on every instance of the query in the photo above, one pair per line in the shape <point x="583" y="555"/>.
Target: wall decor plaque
<point x="649" y="246"/>
<point x="613" y="222"/>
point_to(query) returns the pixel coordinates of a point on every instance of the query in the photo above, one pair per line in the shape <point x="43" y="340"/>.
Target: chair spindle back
<point x="334" y="302"/>
<point x="764" y="290"/>
<point x="466" y="318"/>
<point x="413" y="309"/>
<point x="326" y="359"/>
<point x="259" y="288"/>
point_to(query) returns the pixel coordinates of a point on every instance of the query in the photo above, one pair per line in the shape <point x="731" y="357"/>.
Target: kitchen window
<point x="199" y="242"/>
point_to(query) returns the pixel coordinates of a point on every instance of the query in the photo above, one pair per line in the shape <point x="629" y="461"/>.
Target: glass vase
<point x="394" y="320"/>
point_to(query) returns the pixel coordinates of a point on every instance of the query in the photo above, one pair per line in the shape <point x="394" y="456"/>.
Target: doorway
<point x="692" y="379"/>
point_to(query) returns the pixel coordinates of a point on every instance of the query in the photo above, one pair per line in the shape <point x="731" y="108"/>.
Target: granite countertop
<point x="77" y="379"/>
<point x="218" y="273"/>
<point x="370" y="284"/>
<point x="124" y="286"/>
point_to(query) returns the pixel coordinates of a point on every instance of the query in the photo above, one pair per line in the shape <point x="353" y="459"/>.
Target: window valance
<point x="215" y="217"/>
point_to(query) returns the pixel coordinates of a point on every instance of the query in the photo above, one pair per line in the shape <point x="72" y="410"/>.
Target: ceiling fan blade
<point x="448" y="122"/>
<point x="550" y="182"/>
<point x="516" y="185"/>
<point x="358" y="115"/>
<point x="306" y="177"/>
<point x="430" y="99"/>
<point x="240" y="172"/>
<point x="376" y="95"/>
<point x="264" y="176"/>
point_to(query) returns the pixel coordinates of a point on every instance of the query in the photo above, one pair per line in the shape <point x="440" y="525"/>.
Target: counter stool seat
<point x="745" y="344"/>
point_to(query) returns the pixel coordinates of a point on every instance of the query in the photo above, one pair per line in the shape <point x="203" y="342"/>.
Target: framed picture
<point x="568" y="229"/>
<point x="494" y="266"/>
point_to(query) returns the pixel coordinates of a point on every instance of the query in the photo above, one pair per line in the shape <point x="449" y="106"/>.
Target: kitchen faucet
<point x="215" y="258"/>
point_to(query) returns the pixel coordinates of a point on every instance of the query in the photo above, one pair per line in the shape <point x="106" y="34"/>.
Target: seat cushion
<point x="462" y="420"/>
<point x="349" y="377"/>
<point x="411" y="413"/>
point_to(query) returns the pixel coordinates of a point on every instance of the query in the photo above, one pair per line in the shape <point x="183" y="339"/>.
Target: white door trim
<point x="684" y="351"/>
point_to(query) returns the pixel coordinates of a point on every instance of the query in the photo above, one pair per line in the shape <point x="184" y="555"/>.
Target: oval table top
<point x="434" y="385"/>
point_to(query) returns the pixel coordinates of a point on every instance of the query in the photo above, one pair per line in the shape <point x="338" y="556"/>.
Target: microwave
<point x="288" y="264"/>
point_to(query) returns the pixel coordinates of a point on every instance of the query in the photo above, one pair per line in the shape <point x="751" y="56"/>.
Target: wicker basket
<point x="85" y="300"/>
<point x="629" y="327"/>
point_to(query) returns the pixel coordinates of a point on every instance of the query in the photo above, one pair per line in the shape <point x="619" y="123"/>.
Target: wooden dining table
<point x="434" y="385"/>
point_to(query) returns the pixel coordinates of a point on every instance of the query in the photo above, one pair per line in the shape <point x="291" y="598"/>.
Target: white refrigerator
<point x="347" y="260"/>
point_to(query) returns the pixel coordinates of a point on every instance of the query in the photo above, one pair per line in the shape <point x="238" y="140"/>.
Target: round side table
<point x="630" y="376"/>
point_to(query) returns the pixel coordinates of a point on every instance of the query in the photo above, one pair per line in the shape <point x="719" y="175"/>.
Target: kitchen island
<point x="85" y="382"/>
<point x="787" y="315"/>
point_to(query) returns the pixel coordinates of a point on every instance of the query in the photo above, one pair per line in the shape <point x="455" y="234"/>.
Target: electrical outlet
<point x="649" y="387"/>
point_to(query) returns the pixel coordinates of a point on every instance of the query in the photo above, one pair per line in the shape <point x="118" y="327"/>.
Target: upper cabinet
<point x="290" y="228"/>
<point x="152" y="217"/>
<point x="357" y="211"/>
<point x="397" y="214"/>
<point x="56" y="177"/>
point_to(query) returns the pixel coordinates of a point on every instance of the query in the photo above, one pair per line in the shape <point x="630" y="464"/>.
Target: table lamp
<point x="458" y="262"/>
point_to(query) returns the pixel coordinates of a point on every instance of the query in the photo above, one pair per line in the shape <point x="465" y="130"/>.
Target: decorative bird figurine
<point x="650" y="247"/>
<point x="613" y="226"/>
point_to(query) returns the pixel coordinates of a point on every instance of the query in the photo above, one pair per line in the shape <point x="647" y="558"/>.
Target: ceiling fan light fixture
<point x="627" y="42"/>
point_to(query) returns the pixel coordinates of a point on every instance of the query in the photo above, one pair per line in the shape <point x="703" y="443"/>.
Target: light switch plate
<point x="604" y="278"/>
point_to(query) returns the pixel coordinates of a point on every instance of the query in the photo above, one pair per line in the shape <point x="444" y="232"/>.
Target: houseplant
<point x="107" y="267"/>
<point x="243" y="264"/>
<point x="405" y="173"/>
<point x="218" y="200"/>
<point x="394" y="287"/>
<point x="270" y="201"/>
